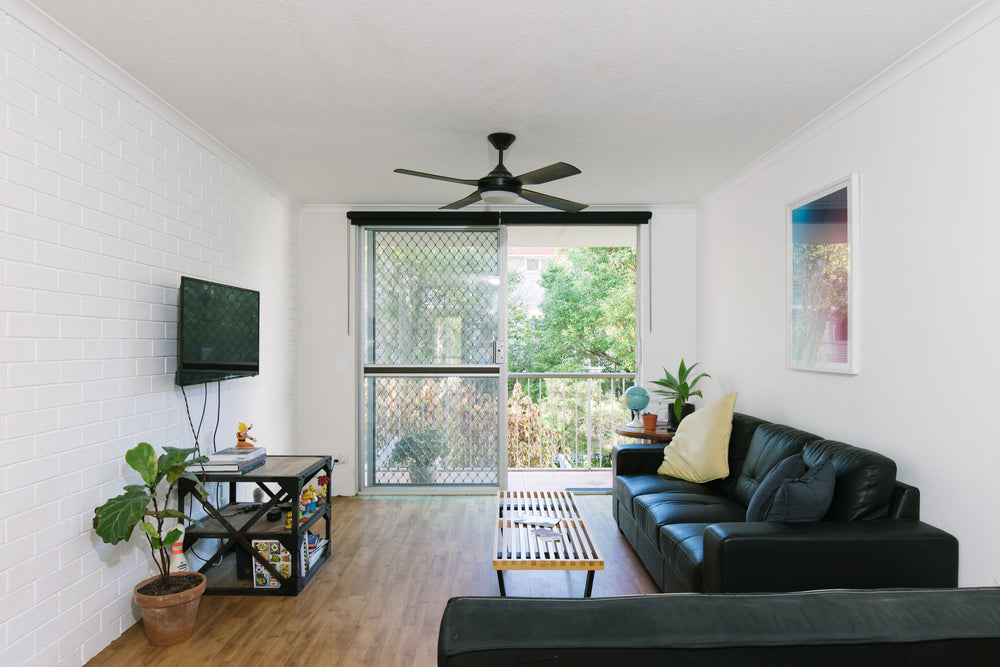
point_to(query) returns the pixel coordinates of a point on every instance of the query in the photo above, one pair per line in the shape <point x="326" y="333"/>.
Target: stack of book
<point x="235" y="459"/>
<point x="312" y="549"/>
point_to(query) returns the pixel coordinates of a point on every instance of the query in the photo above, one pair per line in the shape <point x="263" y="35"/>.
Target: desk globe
<point x="636" y="400"/>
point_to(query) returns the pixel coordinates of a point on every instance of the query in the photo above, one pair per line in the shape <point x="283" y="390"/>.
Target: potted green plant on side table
<point x="169" y="601"/>
<point x="421" y="451"/>
<point x="679" y="389"/>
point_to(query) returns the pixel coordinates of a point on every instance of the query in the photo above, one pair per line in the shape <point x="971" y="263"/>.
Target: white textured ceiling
<point x="656" y="101"/>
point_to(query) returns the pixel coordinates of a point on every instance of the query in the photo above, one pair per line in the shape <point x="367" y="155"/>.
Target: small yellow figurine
<point x="243" y="434"/>
<point x="288" y="521"/>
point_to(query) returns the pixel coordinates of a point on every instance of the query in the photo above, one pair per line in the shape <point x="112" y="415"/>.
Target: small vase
<point x="685" y="411"/>
<point x="423" y="474"/>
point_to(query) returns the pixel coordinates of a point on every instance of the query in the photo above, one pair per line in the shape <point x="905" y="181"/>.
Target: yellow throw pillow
<point x="699" y="451"/>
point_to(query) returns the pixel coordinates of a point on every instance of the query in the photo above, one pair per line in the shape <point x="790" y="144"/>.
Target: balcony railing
<point x="564" y="420"/>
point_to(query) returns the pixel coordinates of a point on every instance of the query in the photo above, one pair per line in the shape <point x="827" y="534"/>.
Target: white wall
<point x="108" y="197"/>
<point x="328" y="370"/>
<point x="669" y="299"/>
<point x="924" y="139"/>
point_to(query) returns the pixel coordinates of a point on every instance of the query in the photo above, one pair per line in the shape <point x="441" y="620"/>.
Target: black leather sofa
<point x="695" y="537"/>
<point x="819" y="628"/>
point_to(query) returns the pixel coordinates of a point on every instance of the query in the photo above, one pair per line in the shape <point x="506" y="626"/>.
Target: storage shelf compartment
<point x="241" y="522"/>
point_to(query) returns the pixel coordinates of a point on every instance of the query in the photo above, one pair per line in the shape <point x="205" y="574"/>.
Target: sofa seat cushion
<point x="628" y="487"/>
<point x="657" y="509"/>
<point x="682" y="546"/>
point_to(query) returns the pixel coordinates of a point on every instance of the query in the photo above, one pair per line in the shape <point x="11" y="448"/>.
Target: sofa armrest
<point x="636" y="458"/>
<point x="882" y="553"/>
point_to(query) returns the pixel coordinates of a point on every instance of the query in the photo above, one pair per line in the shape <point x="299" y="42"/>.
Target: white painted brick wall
<point x="106" y="198"/>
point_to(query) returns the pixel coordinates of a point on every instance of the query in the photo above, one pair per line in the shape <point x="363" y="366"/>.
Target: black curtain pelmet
<point x="495" y="218"/>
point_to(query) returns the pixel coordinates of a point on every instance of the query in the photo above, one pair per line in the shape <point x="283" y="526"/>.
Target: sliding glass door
<point x="433" y="374"/>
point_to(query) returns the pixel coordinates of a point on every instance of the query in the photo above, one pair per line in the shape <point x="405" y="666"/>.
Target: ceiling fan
<point x="500" y="187"/>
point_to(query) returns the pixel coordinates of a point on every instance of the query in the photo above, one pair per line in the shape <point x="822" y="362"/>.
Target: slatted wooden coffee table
<point x="519" y="547"/>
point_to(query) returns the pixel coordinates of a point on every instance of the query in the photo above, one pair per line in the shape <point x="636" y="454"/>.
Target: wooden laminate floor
<point x="378" y="600"/>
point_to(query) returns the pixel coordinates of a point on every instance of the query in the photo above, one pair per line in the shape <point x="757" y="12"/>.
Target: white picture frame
<point x="823" y="234"/>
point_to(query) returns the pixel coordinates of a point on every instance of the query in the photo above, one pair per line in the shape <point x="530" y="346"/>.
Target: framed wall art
<point x="823" y="235"/>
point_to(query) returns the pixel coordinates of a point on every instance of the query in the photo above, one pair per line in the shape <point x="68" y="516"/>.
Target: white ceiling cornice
<point x="71" y="46"/>
<point x="964" y="27"/>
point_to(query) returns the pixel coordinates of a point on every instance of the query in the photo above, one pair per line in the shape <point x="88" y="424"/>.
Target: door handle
<point x="499" y="352"/>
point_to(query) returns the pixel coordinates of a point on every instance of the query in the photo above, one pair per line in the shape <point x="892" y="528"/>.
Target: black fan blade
<point x="463" y="181"/>
<point x="553" y="202"/>
<point x="549" y="173"/>
<point x="474" y="197"/>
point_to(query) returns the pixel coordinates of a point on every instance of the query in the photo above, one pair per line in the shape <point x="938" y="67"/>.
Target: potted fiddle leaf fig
<point x="169" y="601"/>
<point x="421" y="450"/>
<point x="678" y="389"/>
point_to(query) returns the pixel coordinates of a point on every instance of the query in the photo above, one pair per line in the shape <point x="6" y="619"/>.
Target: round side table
<point x="661" y="434"/>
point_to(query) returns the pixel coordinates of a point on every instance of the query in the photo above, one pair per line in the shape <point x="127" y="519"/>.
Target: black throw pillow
<point x="799" y="495"/>
<point x="762" y="499"/>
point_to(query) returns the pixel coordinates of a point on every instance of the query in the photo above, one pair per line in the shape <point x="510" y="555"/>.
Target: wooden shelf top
<point x="275" y="466"/>
<point x="661" y="434"/>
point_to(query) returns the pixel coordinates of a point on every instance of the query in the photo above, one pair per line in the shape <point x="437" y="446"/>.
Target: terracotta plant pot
<point x="169" y="619"/>
<point x="649" y="422"/>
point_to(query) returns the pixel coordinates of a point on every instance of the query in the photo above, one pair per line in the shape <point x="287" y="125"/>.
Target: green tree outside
<point x="588" y="315"/>
<point x="588" y="320"/>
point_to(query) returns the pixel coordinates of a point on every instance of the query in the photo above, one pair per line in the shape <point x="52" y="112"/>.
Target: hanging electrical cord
<point x="197" y="433"/>
<point x="215" y="447"/>
<point x="218" y="412"/>
<point x="187" y="408"/>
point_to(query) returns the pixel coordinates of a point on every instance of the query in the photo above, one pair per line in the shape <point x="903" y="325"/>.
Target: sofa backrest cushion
<point x="865" y="480"/>
<point x="770" y="444"/>
<point x="739" y="442"/>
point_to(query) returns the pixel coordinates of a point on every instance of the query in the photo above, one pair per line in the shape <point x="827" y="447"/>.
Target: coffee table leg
<point x="587" y="590"/>
<point x="503" y="591"/>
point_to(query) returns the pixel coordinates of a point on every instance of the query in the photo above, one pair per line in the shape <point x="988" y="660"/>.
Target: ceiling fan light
<point x="498" y="196"/>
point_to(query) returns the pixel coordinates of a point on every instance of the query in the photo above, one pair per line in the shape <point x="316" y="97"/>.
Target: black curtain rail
<point x="400" y="218"/>
<point x="379" y="370"/>
<point x="606" y="218"/>
<point x="493" y="218"/>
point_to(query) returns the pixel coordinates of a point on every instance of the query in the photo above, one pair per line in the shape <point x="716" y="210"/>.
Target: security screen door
<point x="432" y="365"/>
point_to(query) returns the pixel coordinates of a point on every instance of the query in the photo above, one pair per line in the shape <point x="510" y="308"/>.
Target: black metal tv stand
<point x="237" y="525"/>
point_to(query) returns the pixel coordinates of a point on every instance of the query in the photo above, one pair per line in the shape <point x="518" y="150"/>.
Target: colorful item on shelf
<point x="279" y="558"/>
<point x="178" y="563"/>
<point x="309" y="498"/>
<point x="243" y="434"/>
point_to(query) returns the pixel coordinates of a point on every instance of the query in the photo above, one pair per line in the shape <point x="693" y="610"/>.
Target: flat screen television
<point x="218" y="332"/>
